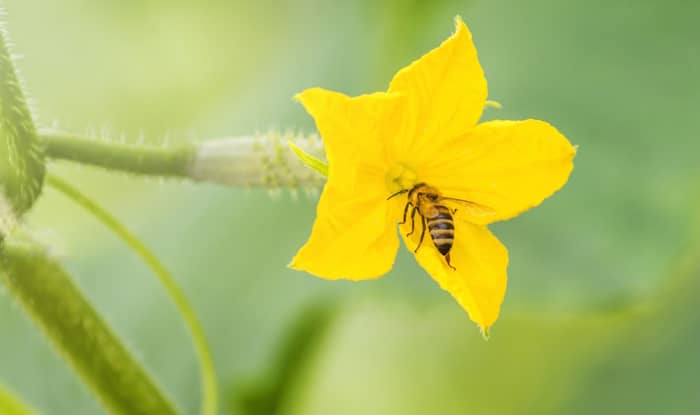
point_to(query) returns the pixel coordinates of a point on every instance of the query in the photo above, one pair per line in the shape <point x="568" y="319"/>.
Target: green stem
<point x="49" y="296"/>
<point x="10" y="404"/>
<point x="209" y="383"/>
<point x="21" y="156"/>
<point x="248" y="161"/>
<point x="140" y="159"/>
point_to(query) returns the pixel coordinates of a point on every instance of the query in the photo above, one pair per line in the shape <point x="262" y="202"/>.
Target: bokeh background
<point x="601" y="314"/>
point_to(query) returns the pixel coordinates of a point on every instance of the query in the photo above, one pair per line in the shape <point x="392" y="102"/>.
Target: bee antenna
<point x="397" y="193"/>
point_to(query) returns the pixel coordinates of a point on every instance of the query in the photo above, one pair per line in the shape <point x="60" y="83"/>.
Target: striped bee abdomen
<point x="442" y="229"/>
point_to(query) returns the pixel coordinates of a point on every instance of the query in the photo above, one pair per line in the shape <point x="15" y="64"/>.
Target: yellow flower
<point x="424" y="130"/>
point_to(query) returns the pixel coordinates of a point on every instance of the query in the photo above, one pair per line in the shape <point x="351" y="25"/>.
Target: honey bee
<point x="435" y="216"/>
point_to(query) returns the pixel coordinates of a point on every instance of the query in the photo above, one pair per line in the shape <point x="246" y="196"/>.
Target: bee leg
<point x="447" y="258"/>
<point x="422" y="235"/>
<point x="405" y="211"/>
<point x="454" y="211"/>
<point x="413" y="221"/>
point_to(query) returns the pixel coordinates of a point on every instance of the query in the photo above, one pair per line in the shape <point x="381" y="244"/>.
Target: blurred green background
<point x="600" y="315"/>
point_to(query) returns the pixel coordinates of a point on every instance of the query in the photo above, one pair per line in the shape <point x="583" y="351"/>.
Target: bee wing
<point x="471" y="208"/>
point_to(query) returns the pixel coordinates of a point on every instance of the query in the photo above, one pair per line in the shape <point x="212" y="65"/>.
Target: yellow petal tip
<point x="461" y="28"/>
<point x="293" y="264"/>
<point x="459" y="22"/>
<point x="300" y="96"/>
<point x="485" y="332"/>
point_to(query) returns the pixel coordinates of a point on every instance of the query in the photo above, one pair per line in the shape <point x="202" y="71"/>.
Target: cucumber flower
<point x="416" y="156"/>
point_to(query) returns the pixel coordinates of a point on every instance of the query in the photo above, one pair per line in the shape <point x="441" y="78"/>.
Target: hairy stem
<point x="209" y="383"/>
<point x="21" y="155"/>
<point x="139" y="159"/>
<point x="47" y="293"/>
<point x="251" y="161"/>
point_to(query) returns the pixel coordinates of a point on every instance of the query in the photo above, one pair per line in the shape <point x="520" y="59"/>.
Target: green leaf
<point x="308" y="159"/>
<point x="267" y="394"/>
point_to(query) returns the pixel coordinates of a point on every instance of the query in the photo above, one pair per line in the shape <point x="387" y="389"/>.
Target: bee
<point x="427" y="202"/>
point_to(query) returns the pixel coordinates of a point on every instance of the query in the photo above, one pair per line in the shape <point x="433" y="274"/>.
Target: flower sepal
<point x="308" y="159"/>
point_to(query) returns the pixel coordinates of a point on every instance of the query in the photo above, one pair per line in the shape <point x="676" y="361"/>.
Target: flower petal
<point x="479" y="281"/>
<point x="447" y="89"/>
<point x="354" y="236"/>
<point x="509" y="166"/>
<point x="351" y="239"/>
<point x="353" y="129"/>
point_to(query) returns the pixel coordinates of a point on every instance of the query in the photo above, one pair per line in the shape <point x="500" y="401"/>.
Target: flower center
<point x="400" y="177"/>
